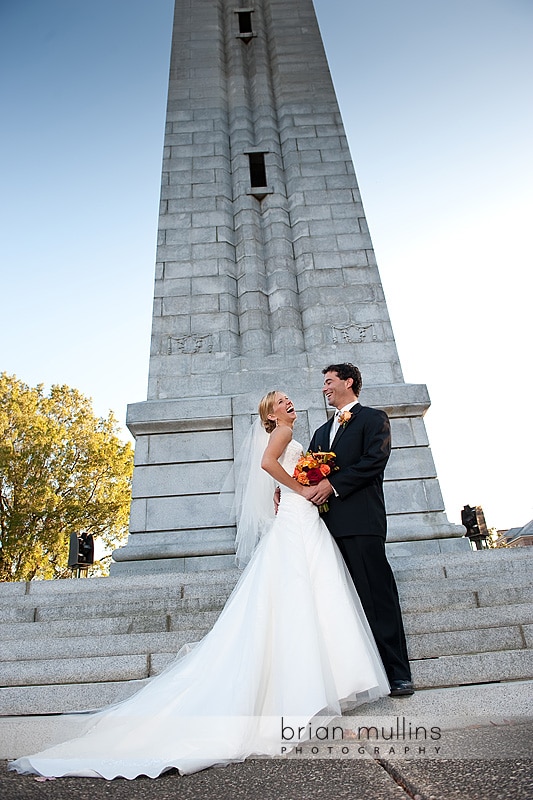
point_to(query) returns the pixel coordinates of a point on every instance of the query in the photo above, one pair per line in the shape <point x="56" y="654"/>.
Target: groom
<point x="360" y="438"/>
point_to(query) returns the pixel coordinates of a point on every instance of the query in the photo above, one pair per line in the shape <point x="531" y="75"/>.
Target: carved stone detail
<point x="353" y="333"/>
<point x="190" y="344"/>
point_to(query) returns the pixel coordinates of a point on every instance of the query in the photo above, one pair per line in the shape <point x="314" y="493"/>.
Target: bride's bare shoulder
<point x="281" y="434"/>
<point x="278" y="440"/>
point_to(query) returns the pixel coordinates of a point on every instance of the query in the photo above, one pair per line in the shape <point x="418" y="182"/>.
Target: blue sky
<point x="436" y="100"/>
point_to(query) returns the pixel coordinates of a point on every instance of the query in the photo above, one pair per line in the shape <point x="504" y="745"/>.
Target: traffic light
<point x="469" y="520"/>
<point x="81" y="551"/>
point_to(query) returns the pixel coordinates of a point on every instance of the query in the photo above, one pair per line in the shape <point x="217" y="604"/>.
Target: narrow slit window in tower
<point x="245" y="21"/>
<point x="257" y="169"/>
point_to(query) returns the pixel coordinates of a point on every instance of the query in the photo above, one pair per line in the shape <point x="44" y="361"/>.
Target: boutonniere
<point x="344" y="418"/>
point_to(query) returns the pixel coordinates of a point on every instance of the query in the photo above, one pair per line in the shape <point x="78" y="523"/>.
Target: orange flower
<point x="312" y="468"/>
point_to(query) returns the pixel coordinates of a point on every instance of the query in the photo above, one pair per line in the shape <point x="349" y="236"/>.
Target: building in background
<point x="516" y="537"/>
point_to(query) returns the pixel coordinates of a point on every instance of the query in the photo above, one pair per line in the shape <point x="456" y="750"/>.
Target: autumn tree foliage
<point x="62" y="470"/>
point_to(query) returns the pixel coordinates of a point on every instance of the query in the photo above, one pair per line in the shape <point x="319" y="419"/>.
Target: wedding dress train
<point x="292" y="642"/>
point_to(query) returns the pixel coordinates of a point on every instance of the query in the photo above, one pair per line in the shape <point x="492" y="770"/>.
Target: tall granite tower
<point x="265" y="274"/>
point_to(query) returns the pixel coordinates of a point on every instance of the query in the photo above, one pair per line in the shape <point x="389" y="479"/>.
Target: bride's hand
<point x="318" y="494"/>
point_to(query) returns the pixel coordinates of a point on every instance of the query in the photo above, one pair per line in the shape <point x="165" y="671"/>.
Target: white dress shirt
<point x="335" y="423"/>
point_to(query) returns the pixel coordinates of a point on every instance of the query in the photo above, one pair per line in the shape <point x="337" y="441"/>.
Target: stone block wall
<point x="265" y="274"/>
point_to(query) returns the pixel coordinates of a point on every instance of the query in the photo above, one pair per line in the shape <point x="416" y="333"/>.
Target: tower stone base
<point x="184" y="451"/>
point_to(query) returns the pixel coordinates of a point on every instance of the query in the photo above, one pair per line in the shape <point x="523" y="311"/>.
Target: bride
<point x="291" y="643"/>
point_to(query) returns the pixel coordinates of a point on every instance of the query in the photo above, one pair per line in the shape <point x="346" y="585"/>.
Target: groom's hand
<point x="318" y="494"/>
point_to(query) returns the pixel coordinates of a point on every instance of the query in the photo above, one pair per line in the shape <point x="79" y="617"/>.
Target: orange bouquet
<point x="312" y="468"/>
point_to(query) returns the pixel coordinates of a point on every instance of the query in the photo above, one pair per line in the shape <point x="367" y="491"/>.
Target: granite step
<point x="446" y="670"/>
<point x="503" y="595"/>
<point x="421" y="569"/>
<point x="100" y="683"/>
<point x="435" y="621"/>
<point x="509" y="665"/>
<point x="468" y="618"/>
<point x="65" y="698"/>
<point x="97" y="669"/>
<point x="18" y="631"/>
<point x="86" y="647"/>
<point x="100" y="627"/>
<point x="460" y="565"/>
<point x="173" y="583"/>
<point x="440" y="595"/>
<point x="51" y="613"/>
<point x="421" y="645"/>
<point x="109" y="593"/>
<point x="416" y="622"/>
<point x="427" y="581"/>
<point x="84" y="643"/>
<point x="521" y="577"/>
<point x="447" y="643"/>
<point x="450" y="709"/>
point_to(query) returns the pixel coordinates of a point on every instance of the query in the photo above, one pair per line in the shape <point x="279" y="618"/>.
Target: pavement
<point x="482" y="762"/>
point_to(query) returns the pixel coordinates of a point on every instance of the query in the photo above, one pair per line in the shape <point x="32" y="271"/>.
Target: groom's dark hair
<point x="345" y="371"/>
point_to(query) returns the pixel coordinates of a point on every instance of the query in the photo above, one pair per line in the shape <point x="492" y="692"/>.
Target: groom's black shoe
<point x="401" y="688"/>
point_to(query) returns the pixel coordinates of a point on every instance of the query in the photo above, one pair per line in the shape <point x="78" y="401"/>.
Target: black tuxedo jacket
<point x="362" y="448"/>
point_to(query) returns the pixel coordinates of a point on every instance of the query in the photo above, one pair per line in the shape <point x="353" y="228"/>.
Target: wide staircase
<point x="81" y="644"/>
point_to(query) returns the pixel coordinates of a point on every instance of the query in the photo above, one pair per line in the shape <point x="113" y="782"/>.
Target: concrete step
<point x="98" y="627"/>
<point x="464" y="599"/>
<point x="186" y="605"/>
<point x="17" y="631"/>
<point x="425" y="581"/>
<point x="447" y="643"/>
<point x="422" y="569"/>
<point x="448" y="708"/>
<point x="457" y="670"/>
<point x="459" y="564"/>
<point x="441" y="595"/>
<point x="450" y="564"/>
<point x="100" y="681"/>
<point x="421" y="645"/>
<point x="468" y="618"/>
<point x="176" y="584"/>
<point x="458" y="619"/>
<point x="110" y="594"/>
<point x="100" y="669"/>
<point x="193" y="616"/>
<point x="93" y="647"/>
<point x="149" y="607"/>
<point x="452" y="670"/>
<point x="453" y="707"/>
<point x="64" y="698"/>
<point x="518" y="578"/>
<point x="417" y="596"/>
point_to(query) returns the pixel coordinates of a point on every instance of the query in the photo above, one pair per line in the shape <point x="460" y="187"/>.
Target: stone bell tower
<point x="265" y="274"/>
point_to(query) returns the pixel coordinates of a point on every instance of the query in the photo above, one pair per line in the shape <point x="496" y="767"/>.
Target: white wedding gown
<point x="292" y="642"/>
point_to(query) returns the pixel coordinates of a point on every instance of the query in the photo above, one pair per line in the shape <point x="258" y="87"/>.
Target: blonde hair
<point x="266" y="407"/>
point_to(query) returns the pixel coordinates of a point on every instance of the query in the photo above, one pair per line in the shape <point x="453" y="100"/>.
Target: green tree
<point x="62" y="470"/>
